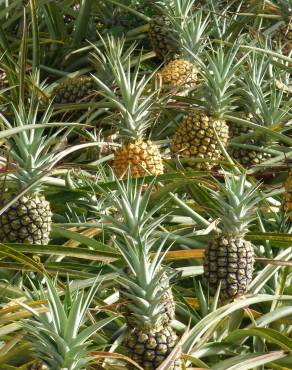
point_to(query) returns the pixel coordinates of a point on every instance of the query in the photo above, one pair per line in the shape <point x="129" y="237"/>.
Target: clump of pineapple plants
<point x="145" y="168"/>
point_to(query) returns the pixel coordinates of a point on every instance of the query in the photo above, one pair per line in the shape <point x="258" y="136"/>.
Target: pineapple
<point x="287" y="201"/>
<point x="78" y="89"/>
<point x="144" y="282"/>
<point x="27" y="217"/>
<point x="188" y="28"/>
<point x="161" y="37"/>
<point x="137" y="154"/>
<point x="197" y="135"/>
<point x="228" y="260"/>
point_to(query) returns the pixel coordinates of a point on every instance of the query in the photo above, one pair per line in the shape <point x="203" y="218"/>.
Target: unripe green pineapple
<point x="149" y="348"/>
<point x="78" y="89"/>
<point x="28" y="220"/>
<point x="229" y="259"/>
<point x="32" y="153"/>
<point x="145" y="291"/>
<point x="161" y="37"/>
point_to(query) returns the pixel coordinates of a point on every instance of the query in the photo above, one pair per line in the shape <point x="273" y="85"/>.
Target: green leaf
<point x="271" y="335"/>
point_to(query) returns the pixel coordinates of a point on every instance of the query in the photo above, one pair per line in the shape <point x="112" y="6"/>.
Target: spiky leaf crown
<point x="235" y="204"/>
<point x="31" y="147"/>
<point x="219" y="74"/>
<point x="260" y="94"/>
<point x="57" y="336"/>
<point x="130" y="99"/>
<point x="146" y="280"/>
<point x="188" y="27"/>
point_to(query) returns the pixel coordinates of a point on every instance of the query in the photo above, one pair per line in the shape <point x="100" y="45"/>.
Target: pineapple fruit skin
<point x="228" y="260"/>
<point x="287" y="204"/>
<point x="141" y="157"/>
<point x="28" y="220"/>
<point x="195" y="138"/>
<point x="161" y="37"/>
<point x="75" y="90"/>
<point x="179" y="73"/>
<point x="246" y="157"/>
<point x="149" y="348"/>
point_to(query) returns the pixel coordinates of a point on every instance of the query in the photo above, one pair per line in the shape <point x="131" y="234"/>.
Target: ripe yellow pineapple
<point x="187" y="29"/>
<point x="287" y="200"/>
<point x="197" y="136"/>
<point x="140" y="156"/>
<point x="136" y="153"/>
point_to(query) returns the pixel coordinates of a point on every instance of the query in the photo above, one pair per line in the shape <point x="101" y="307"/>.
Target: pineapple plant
<point x="133" y="105"/>
<point x="197" y="136"/>
<point x="287" y="200"/>
<point x="188" y="28"/>
<point x="144" y="281"/>
<point x="264" y="105"/>
<point x="229" y="258"/>
<point x="57" y="337"/>
<point x="32" y="152"/>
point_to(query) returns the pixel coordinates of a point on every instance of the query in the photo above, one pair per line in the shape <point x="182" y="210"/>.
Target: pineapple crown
<point x="220" y="75"/>
<point x="31" y="144"/>
<point x="57" y="336"/>
<point x="99" y="59"/>
<point x="130" y="99"/>
<point x="235" y="203"/>
<point x="260" y="92"/>
<point x="187" y="26"/>
<point x="146" y="280"/>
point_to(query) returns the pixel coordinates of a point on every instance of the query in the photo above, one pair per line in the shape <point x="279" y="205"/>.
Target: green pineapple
<point x="144" y="282"/>
<point x="133" y="103"/>
<point x="32" y="153"/>
<point x="74" y="90"/>
<point x="229" y="258"/>
<point x="196" y="137"/>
